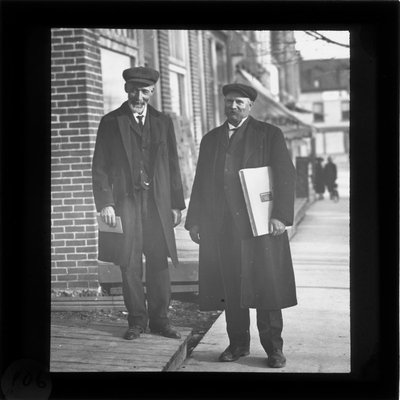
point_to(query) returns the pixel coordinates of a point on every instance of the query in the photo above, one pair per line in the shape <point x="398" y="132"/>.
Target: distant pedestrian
<point x="330" y="176"/>
<point x="238" y="271"/>
<point x="319" y="182"/>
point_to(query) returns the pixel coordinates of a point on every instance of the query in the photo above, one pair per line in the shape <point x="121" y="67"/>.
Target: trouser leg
<point x="132" y="265"/>
<point x="158" y="286"/>
<point x="158" y="292"/>
<point x="237" y="325"/>
<point x="270" y="325"/>
<point x="330" y="189"/>
<point x="237" y="318"/>
<point x="133" y="293"/>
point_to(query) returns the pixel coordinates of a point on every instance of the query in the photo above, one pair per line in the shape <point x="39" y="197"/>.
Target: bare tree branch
<point x="319" y="36"/>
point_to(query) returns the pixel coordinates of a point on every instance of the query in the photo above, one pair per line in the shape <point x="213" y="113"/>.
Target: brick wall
<point x="77" y="106"/>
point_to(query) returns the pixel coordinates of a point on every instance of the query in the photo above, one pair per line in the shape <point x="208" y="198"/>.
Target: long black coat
<point x="113" y="182"/>
<point x="267" y="279"/>
<point x="319" y="181"/>
<point x="330" y="175"/>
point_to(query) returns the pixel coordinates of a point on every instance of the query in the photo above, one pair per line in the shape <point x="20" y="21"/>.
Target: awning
<point x="267" y="109"/>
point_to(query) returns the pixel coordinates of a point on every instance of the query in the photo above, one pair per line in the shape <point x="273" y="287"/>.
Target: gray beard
<point x="137" y="109"/>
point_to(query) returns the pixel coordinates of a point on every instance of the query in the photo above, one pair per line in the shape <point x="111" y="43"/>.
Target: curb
<point x="179" y="356"/>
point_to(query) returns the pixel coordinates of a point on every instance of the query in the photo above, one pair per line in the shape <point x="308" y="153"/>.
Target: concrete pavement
<point x="317" y="331"/>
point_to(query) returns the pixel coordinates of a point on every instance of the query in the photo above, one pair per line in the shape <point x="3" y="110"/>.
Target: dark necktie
<point x="140" y="119"/>
<point x="232" y="132"/>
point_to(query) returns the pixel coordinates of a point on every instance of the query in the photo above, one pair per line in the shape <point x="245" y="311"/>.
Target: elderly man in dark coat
<point x="236" y="270"/>
<point x="136" y="176"/>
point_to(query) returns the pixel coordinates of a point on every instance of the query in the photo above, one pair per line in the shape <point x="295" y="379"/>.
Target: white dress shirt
<point x="233" y="128"/>
<point x="135" y="115"/>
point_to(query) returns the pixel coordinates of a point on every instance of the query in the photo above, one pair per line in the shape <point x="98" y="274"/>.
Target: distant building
<point x="325" y="92"/>
<point x="287" y="60"/>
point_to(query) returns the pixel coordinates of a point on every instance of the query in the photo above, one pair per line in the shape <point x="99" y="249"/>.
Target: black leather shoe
<point x="168" y="332"/>
<point x="276" y="359"/>
<point x="133" y="332"/>
<point x="233" y="353"/>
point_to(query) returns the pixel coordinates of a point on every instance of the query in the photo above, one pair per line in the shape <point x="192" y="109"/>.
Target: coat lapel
<point x="221" y="141"/>
<point x="253" y="141"/>
<point x="124" y="124"/>
<point x="155" y="127"/>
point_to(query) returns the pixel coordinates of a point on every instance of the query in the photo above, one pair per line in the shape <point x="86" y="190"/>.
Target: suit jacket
<point x="267" y="271"/>
<point x="113" y="181"/>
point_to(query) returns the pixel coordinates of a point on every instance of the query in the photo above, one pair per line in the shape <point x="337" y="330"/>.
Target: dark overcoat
<point x="330" y="175"/>
<point x="267" y="277"/>
<point x="113" y="180"/>
<point x="319" y="182"/>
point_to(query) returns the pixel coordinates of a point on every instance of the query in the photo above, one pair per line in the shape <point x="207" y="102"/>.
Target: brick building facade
<point x="77" y="106"/>
<point x="87" y="82"/>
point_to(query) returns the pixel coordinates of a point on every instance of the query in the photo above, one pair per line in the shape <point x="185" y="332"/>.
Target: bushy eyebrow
<point x="144" y="90"/>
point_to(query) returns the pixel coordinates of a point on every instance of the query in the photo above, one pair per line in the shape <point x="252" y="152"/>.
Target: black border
<point x="25" y="191"/>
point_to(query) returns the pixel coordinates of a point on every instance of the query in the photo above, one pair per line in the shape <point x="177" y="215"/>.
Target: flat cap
<point x="245" y="90"/>
<point x="141" y="76"/>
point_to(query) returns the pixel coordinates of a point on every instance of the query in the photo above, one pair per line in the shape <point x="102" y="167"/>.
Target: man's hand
<point x="276" y="227"/>
<point x="108" y="216"/>
<point x="194" y="234"/>
<point x="176" y="217"/>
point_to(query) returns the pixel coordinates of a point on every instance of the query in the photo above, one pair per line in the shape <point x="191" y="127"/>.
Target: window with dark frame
<point x="176" y="45"/>
<point x="177" y="86"/>
<point x="345" y="105"/>
<point x="318" y="112"/>
<point x="178" y="72"/>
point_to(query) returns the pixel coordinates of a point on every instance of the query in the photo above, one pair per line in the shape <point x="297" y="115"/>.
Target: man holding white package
<point x="238" y="270"/>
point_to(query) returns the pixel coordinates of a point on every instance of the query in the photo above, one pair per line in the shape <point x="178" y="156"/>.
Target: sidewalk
<point x="316" y="332"/>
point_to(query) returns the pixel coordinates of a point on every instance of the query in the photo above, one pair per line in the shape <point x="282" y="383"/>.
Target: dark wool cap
<point x="141" y="76"/>
<point x="246" y="91"/>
